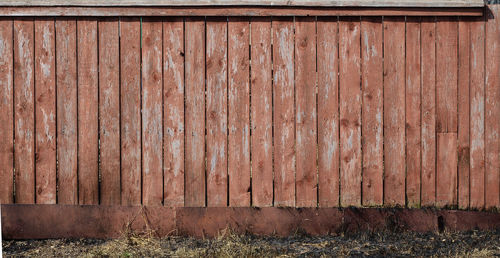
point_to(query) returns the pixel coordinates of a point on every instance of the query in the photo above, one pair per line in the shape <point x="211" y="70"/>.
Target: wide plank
<point x="446" y="170"/>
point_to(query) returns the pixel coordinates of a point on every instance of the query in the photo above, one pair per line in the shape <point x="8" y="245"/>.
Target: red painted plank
<point x="45" y="113"/>
<point x="88" y="131"/>
<point x="492" y="107"/>
<point x="306" y="181"/>
<point x="194" y="43"/>
<point x="446" y="169"/>
<point x="477" y="137"/>
<point x="7" y="107"/>
<point x="130" y="99"/>
<point x="261" y="113"/>
<point x="350" y="111"/>
<point x="413" y="130"/>
<point x="173" y="110"/>
<point x="216" y="65"/>
<point x="24" y="113"/>
<point x="394" y="111"/>
<point x="446" y="79"/>
<point x="372" y="111"/>
<point x="284" y="119"/>
<point x="109" y="111"/>
<point x="239" y="111"/>
<point x="328" y="112"/>
<point x="463" y="112"/>
<point x="428" y="65"/>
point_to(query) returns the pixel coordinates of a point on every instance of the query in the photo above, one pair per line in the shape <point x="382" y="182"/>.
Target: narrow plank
<point x="305" y="112"/>
<point x="88" y="119"/>
<point x="328" y="112"/>
<point x="428" y="73"/>
<point x="372" y="111"/>
<point x="194" y="42"/>
<point x="7" y="107"/>
<point x="152" y="125"/>
<point x="463" y="112"/>
<point x="492" y="106"/>
<point x="45" y="113"/>
<point x="477" y="123"/>
<point x="24" y="111"/>
<point x="446" y="68"/>
<point x="173" y="109"/>
<point x="239" y="111"/>
<point x="130" y="99"/>
<point x="261" y="113"/>
<point x="446" y="167"/>
<point x="216" y="65"/>
<point x="284" y="119"/>
<point x="394" y="111"/>
<point x="413" y="105"/>
<point x="66" y="101"/>
<point x="109" y="111"/>
<point x="350" y="111"/>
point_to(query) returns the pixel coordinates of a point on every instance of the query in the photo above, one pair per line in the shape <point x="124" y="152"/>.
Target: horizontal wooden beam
<point x="237" y="11"/>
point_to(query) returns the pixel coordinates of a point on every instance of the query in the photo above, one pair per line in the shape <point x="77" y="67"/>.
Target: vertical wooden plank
<point x="463" y="112"/>
<point x="24" y="124"/>
<point x="446" y="166"/>
<point x="350" y="111"/>
<point x="88" y="130"/>
<point x="492" y="106"/>
<point x="477" y="122"/>
<point x="173" y="109"/>
<point x="305" y="112"/>
<point x="328" y="112"/>
<point x="372" y="111"/>
<point x="66" y="101"/>
<point x="394" y="111"/>
<point x="284" y="119"/>
<point x="45" y="113"/>
<point x="152" y="126"/>
<point x="130" y="99"/>
<point x="412" y="99"/>
<point x="428" y="73"/>
<point x="239" y="111"/>
<point x="216" y="65"/>
<point x="109" y="111"/>
<point x="7" y="107"/>
<point x="195" y="112"/>
<point x="261" y="112"/>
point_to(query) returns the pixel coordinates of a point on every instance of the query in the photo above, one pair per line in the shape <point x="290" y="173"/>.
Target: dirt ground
<point x="449" y="244"/>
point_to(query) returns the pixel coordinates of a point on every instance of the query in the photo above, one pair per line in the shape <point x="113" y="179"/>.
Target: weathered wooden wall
<point x="251" y="111"/>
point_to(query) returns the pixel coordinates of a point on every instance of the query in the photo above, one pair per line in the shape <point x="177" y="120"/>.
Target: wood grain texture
<point x="261" y="113"/>
<point x="350" y="111"/>
<point x="394" y="111"/>
<point x="239" y="111"/>
<point x="446" y="170"/>
<point x="24" y="111"/>
<point x="66" y="101"/>
<point x="216" y="94"/>
<point x="492" y="109"/>
<point x="306" y="178"/>
<point x="372" y="111"/>
<point x="284" y="117"/>
<point x="152" y="112"/>
<point x="7" y="114"/>
<point x="109" y="111"/>
<point x="428" y="127"/>
<point x="195" y="112"/>
<point x="413" y="105"/>
<point x="130" y="99"/>
<point x="328" y="112"/>
<point x="45" y="112"/>
<point x="88" y="107"/>
<point x="173" y="110"/>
